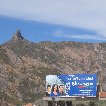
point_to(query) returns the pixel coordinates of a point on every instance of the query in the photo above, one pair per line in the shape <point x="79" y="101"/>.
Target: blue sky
<point x="54" y="20"/>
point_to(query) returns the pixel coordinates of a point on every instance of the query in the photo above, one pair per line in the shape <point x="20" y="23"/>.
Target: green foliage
<point x="29" y="97"/>
<point x="24" y="86"/>
<point x="6" y="97"/>
<point x="11" y="76"/>
<point x="18" y="103"/>
<point x="81" y="104"/>
<point x="92" y="103"/>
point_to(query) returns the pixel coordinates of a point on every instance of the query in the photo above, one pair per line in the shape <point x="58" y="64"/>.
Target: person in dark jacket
<point x="48" y="92"/>
<point x="61" y="90"/>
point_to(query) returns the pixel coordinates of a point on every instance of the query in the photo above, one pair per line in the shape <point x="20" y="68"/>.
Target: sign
<point x="73" y="85"/>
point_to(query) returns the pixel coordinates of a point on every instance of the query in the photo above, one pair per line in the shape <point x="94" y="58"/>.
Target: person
<point x="48" y="92"/>
<point x="54" y="90"/>
<point x="61" y="90"/>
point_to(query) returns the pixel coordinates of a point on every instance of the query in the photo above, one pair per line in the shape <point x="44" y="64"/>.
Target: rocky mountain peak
<point x="18" y="36"/>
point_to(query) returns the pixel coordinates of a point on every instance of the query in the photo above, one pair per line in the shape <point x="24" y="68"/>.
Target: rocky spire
<point x="18" y="36"/>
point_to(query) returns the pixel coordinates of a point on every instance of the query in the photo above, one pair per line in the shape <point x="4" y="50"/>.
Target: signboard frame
<point x="80" y="85"/>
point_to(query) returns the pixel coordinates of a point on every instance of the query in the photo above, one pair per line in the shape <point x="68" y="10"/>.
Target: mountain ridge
<point x="26" y="65"/>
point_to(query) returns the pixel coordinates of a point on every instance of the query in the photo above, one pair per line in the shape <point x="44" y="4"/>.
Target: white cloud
<point x="61" y="34"/>
<point x="87" y="14"/>
<point x="84" y="37"/>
